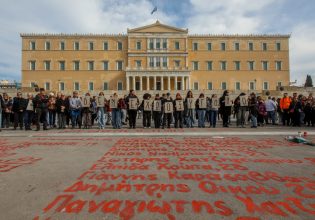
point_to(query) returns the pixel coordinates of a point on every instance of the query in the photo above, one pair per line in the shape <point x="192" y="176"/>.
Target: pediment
<point x="158" y="28"/>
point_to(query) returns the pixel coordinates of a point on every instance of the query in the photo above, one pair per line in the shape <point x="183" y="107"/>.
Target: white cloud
<point x="115" y="16"/>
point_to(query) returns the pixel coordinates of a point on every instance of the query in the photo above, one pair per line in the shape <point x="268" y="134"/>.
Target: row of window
<point x="237" y="86"/>
<point x="155" y="44"/>
<point x="76" y="45"/>
<point x="158" y="62"/>
<point x="250" y="47"/>
<point x="76" y="65"/>
<point x="237" y="65"/>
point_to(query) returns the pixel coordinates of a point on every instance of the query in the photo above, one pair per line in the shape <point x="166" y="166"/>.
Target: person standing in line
<point x="28" y="112"/>
<point x="124" y="112"/>
<point x="253" y="109"/>
<point x="271" y="108"/>
<point x="146" y="120"/>
<point x="213" y="112"/>
<point x="116" y="114"/>
<point x="101" y="111"/>
<point x="6" y="111"/>
<point x="178" y="113"/>
<point x="18" y="109"/>
<point x="75" y="105"/>
<point x="240" y="111"/>
<point x="40" y="102"/>
<point x="61" y="109"/>
<point x="87" y="113"/>
<point x="201" y="112"/>
<point x="167" y="116"/>
<point x="132" y="113"/>
<point x="188" y="112"/>
<point x="262" y="113"/>
<point x="224" y="109"/>
<point x="51" y="105"/>
<point x="285" y="103"/>
<point x="157" y="114"/>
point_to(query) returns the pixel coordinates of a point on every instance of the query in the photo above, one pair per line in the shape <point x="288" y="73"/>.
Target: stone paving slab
<point x="243" y="177"/>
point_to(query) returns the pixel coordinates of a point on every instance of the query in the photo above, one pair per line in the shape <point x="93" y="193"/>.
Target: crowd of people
<point x="60" y="111"/>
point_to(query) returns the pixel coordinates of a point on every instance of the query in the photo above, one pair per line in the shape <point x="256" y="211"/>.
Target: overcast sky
<point x="295" y="17"/>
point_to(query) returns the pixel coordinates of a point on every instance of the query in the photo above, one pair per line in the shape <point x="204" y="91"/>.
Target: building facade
<point x="155" y="57"/>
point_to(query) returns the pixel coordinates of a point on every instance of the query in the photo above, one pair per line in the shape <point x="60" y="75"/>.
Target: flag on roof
<point x="154" y="10"/>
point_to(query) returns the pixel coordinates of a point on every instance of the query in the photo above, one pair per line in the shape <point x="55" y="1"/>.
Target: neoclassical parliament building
<point x="155" y="57"/>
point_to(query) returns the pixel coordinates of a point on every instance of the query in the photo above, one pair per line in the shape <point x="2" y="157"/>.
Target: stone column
<point x="134" y="82"/>
<point x="162" y="83"/>
<point x="127" y="83"/>
<point x="175" y="83"/>
<point x="168" y="83"/>
<point x="183" y="83"/>
<point x="154" y="86"/>
<point x="140" y="83"/>
<point x="148" y="82"/>
<point x="189" y="82"/>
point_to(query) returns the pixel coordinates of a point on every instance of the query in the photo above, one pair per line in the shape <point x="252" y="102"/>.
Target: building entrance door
<point x="158" y="85"/>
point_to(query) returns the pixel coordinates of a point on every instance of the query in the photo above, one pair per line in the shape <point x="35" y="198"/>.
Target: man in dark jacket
<point x="18" y="109"/>
<point x="40" y="103"/>
<point x="132" y="113"/>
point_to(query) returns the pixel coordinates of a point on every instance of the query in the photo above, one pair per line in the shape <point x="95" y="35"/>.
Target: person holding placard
<point x="179" y="109"/>
<point x="116" y="112"/>
<point x="167" y="106"/>
<point x="253" y="109"/>
<point x="146" y="108"/>
<point x="240" y="108"/>
<point x="214" y="106"/>
<point x="132" y="102"/>
<point x="201" y="105"/>
<point x="156" y="105"/>
<point x="225" y="108"/>
<point x="87" y="111"/>
<point x="189" y="109"/>
<point x="75" y="110"/>
<point x="101" y="110"/>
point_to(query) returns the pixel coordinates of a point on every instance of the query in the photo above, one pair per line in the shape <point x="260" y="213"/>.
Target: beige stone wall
<point x="129" y="54"/>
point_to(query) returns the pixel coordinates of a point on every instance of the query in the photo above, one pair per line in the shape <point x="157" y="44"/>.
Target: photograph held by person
<point x="224" y="109"/>
<point x="40" y="102"/>
<point x="18" y="110"/>
<point x="132" y="113"/>
<point x="28" y="112"/>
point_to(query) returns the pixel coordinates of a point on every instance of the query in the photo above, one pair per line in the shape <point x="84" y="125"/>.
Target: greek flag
<point x="154" y="10"/>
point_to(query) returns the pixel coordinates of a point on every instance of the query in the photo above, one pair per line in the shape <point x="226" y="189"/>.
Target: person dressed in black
<point x="178" y="113"/>
<point x="18" y="109"/>
<point x="224" y="109"/>
<point x="40" y="103"/>
<point x="62" y="108"/>
<point x="146" y="120"/>
<point x="157" y="113"/>
<point x="132" y="113"/>
<point x="167" y="116"/>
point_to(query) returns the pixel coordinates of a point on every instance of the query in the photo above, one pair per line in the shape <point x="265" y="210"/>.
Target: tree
<point x="308" y="81"/>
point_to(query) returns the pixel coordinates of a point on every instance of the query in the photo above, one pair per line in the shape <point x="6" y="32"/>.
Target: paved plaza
<point x="200" y="174"/>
